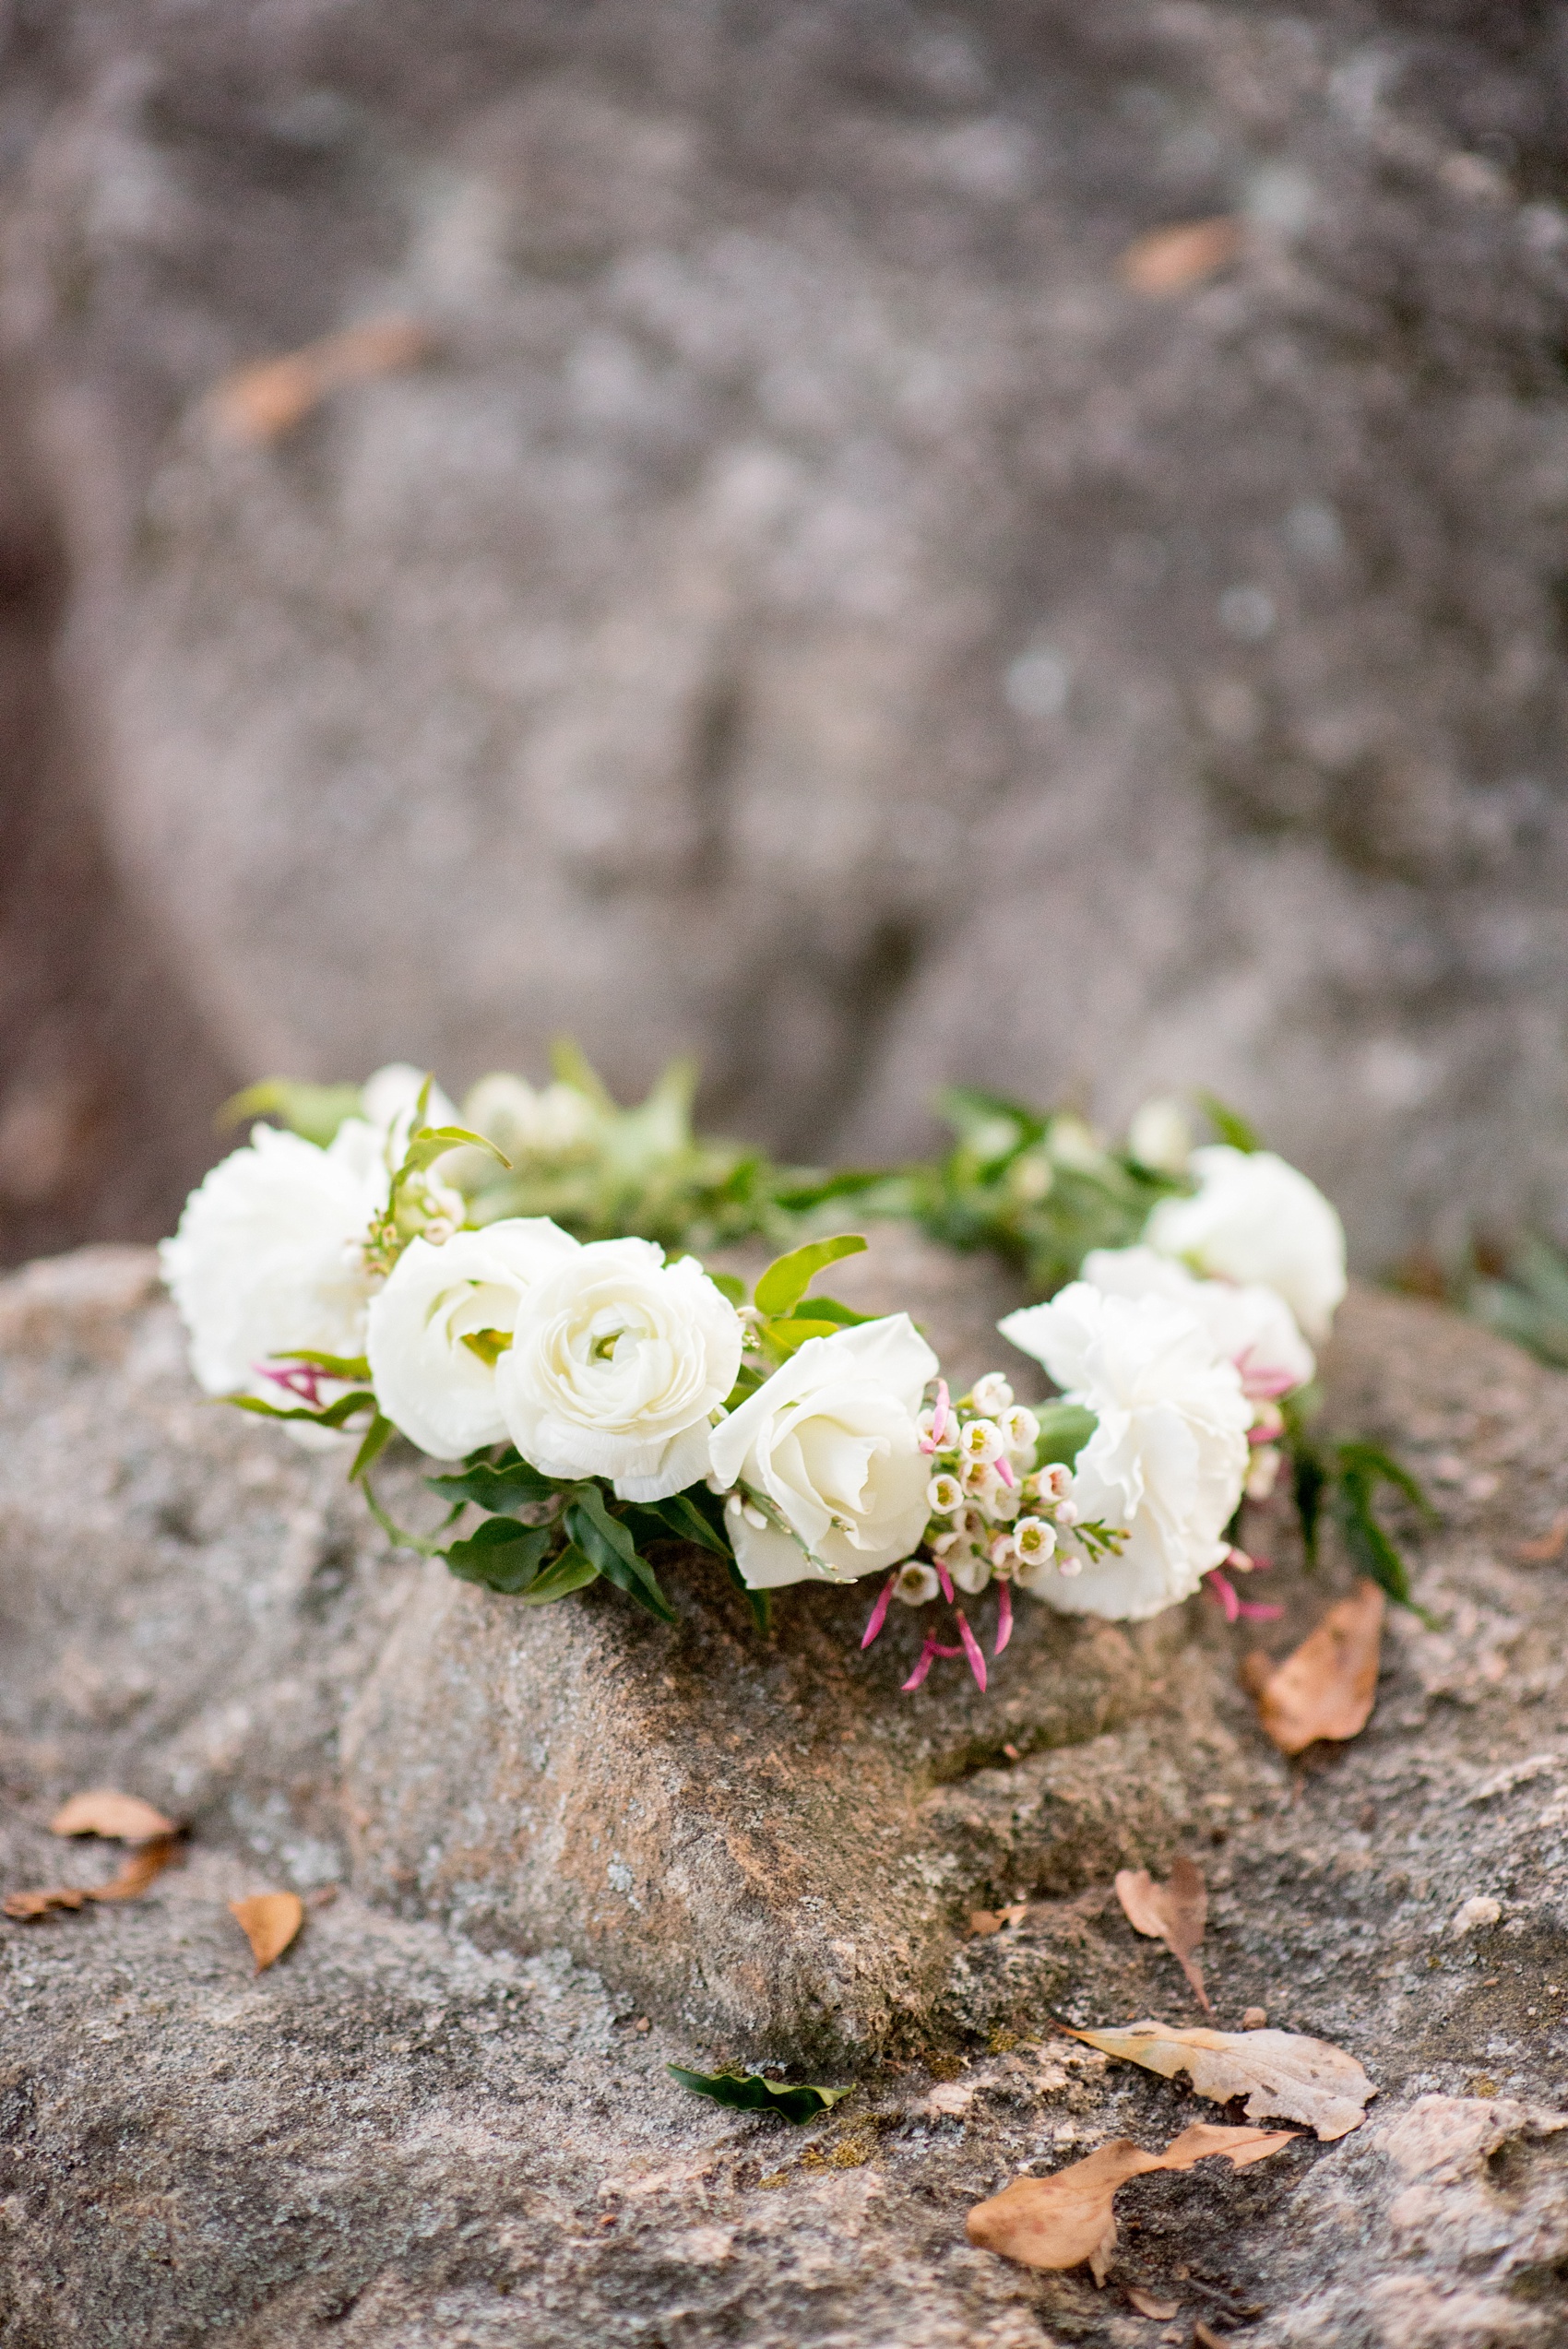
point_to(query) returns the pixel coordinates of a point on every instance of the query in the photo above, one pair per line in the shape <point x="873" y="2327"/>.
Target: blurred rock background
<point x="801" y="577"/>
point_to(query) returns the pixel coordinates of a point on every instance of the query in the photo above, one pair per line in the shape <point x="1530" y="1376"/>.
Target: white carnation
<point x="1250" y="1325"/>
<point x="267" y="1260"/>
<point x="1169" y="1455"/>
<point x="832" y="1441"/>
<point x="1255" y="1219"/>
<point x="617" y="1364"/>
<point x="440" y="1392"/>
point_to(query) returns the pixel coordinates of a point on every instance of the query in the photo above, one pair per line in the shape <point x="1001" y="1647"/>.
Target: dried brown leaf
<point x="991" y="1920"/>
<point x="1059" y="2222"/>
<point x="269" y="1922"/>
<point x="123" y="1818"/>
<point x="1148" y="2306"/>
<point x="1175" y="1913"/>
<point x="1549" y="1546"/>
<point x="1168" y="260"/>
<point x="136" y="1874"/>
<point x="1327" y="1686"/>
<point x="1283" y="2074"/>
<point x="260" y="403"/>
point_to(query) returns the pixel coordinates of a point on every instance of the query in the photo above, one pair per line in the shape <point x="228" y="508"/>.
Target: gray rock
<point x="440" y="2128"/>
<point x="808" y="607"/>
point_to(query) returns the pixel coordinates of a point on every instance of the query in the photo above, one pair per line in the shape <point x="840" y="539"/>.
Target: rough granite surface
<point x="435" y="2126"/>
<point x="807" y="607"/>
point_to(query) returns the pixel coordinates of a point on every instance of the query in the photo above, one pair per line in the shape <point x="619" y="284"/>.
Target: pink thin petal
<point x="1239" y="1561"/>
<point x="1219" y="1588"/>
<point x="1003" y="1617"/>
<point x="1003" y="1469"/>
<point x="928" y="1657"/>
<point x="1256" y="1611"/>
<point x="973" y="1650"/>
<point x="945" y="1579"/>
<point x="879" y="1612"/>
<point x="929" y="1444"/>
<point x="939" y="1412"/>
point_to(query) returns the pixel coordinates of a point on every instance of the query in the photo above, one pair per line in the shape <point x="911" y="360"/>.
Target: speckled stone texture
<point x="443" y="2130"/>
<point x="808" y="609"/>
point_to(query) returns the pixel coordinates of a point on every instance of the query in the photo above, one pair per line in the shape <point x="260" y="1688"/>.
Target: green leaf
<point x="313" y="1111"/>
<point x="377" y="1438"/>
<point x="1231" y="1126"/>
<point x="1365" y="1539"/>
<point x="332" y="1416"/>
<point x="728" y="1285"/>
<point x="502" y="1555"/>
<point x="1369" y="1459"/>
<point x="502" y="1485"/>
<point x="604" y="1539"/>
<point x="787" y="1280"/>
<point x="1065" y="1429"/>
<point x="487" y="1344"/>
<point x="760" y="1602"/>
<point x="571" y="1065"/>
<point x="680" y="1517"/>
<point x="748" y="2092"/>
<point x="432" y="1142"/>
<point x="787" y="1336"/>
<point x="1309" y="1476"/>
<point x="570" y="1571"/>
<point x="336" y="1366"/>
<point x="829" y="1309"/>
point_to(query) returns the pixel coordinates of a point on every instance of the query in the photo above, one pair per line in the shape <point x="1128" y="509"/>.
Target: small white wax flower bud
<point x="1160" y="1137"/>
<point x="1033" y="1538"/>
<point x="1055" y="1481"/>
<point x="981" y="1440"/>
<point x="1069" y="1565"/>
<point x="916" y="1585"/>
<point x="944" y="1542"/>
<point x="990" y="1394"/>
<point x="1020" y="1430"/>
<point x="970" y="1571"/>
<point x="734" y="1505"/>
<point x="944" y="1494"/>
<point x="1263" y="1471"/>
<point x="753" y="1515"/>
<point x="1003" y="1504"/>
<point x="1066" y="1512"/>
<point x="998" y="1549"/>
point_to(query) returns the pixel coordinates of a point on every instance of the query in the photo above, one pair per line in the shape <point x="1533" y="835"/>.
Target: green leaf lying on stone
<point x="748" y="2092"/>
<point x="500" y="1555"/>
<point x="504" y="1485"/>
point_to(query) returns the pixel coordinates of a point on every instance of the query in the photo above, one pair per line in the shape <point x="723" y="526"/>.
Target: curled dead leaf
<point x="1175" y="1914"/>
<point x="269" y="1922"/>
<point x="123" y="1818"/>
<point x="1059" y="2222"/>
<point x="991" y="1920"/>
<point x="1168" y="260"/>
<point x="1327" y="1687"/>
<point x="1549" y="1545"/>
<point x="140" y="1868"/>
<point x="261" y="402"/>
<point x="1283" y="2074"/>
<point x="1147" y="2304"/>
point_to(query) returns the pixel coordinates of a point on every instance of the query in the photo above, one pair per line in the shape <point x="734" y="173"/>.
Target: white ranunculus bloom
<point x="617" y="1364"/>
<point x="1169" y="1455"/>
<point x="1255" y="1219"/>
<point x="267" y="1258"/>
<point x="1159" y="1136"/>
<point x="1251" y="1325"/>
<point x="376" y="1140"/>
<point x="832" y="1443"/>
<point x="526" y="1124"/>
<point x="440" y="1392"/>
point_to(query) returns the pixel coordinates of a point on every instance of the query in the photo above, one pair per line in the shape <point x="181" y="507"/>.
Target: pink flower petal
<point x="945" y="1579"/>
<point x="879" y="1612"/>
<point x="1219" y="1588"/>
<point x="928" y="1657"/>
<point x="1257" y="1612"/>
<point x="940" y="1413"/>
<point x="973" y="1651"/>
<point x="1003" y="1617"/>
<point x="1005" y="1470"/>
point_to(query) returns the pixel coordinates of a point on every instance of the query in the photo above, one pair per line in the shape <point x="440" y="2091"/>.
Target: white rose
<point x="267" y="1260"/>
<point x="832" y="1441"/>
<point x="1169" y="1456"/>
<point x="1255" y="1219"/>
<point x="440" y="1392"/>
<point x="618" y="1362"/>
<point x="1251" y="1325"/>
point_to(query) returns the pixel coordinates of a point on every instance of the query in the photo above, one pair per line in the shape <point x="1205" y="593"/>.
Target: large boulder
<point x="806" y="605"/>
<point x="430" y="2123"/>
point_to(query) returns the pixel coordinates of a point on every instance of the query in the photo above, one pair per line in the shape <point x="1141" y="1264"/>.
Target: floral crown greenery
<point x="517" y="1290"/>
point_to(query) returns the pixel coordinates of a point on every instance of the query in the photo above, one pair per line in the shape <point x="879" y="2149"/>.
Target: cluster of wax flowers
<point x="298" y="1267"/>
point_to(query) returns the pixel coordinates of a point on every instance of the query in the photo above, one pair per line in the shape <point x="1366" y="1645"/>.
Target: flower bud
<point x="992" y="1395"/>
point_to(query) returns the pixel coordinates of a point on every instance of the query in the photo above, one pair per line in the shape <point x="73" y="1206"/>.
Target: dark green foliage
<point x="502" y="1555"/>
<point x="748" y="2092"/>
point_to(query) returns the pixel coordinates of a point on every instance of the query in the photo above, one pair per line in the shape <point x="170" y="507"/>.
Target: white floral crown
<point x="364" y="1271"/>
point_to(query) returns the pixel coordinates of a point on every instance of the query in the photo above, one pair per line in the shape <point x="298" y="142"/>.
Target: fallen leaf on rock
<point x="1327" y="1687"/>
<point x="134" y="1877"/>
<point x="269" y="1922"/>
<point x="1282" y="2074"/>
<point x="1059" y="2221"/>
<point x="1168" y="260"/>
<point x="264" y="401"/>
<point x="1148" y="2306"/>
<point x="123" y="1818"/>
<point x="1204" y="2336"/>
<point x="1551" y="1544"/>
<point x="1174" y="1914"/>
<point x="748" y="2092"/>
<point x="1255" y="2019"/>
<point x="991" y="1920"/>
